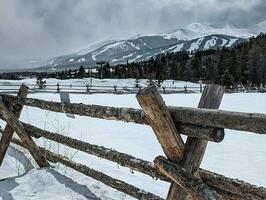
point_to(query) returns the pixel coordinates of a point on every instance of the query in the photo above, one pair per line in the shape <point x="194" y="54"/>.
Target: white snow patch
<point x="210" y="43"/>
<point x="224" y="41"/>
<point x="145" y="44"/>
<point x="134" y="46"/>
<point x="195" y="45"/>
<point x="81" y="60"/>
<point x="44" y="184"/>
<point x="178" y="47"/>
<point x="231" y="42"/>
<point x="51" y="61"/>
<point x="106" y="48"/>
<point x="123" y="58"/>
<point x="94" y="46"/>
<point x="136" y="58"/>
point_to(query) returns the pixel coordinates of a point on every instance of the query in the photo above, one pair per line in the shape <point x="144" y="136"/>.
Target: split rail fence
<point x="91" y="89"/>
<point x="181" y="165"/>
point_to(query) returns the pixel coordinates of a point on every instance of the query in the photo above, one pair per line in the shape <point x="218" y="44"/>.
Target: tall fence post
<point x="88" y="88"/>
<point x="57" y="88"/>
<point x="161" y="122"/>
<point x="195" y="148"/>
<point x="164" y="128"/>
<point x="115" y="89"/>
<point x="164" y="89"/>
<point x="200" y="84"/>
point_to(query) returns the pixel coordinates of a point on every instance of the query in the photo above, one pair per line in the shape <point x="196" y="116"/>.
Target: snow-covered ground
<point x="241" y="155"/>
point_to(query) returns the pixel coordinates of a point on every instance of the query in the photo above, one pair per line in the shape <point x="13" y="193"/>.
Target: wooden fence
<point x="115" y="89"/>
<point x="181" y="165"/>
<point x="91" y="89"/>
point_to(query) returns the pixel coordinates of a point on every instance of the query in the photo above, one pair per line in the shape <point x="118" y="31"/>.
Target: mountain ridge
<point x="192" y="37"/>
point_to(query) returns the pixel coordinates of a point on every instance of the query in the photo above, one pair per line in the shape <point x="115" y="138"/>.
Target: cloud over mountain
<point x="36" y="29"/>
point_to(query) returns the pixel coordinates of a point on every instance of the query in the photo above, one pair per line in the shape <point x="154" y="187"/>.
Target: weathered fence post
<point x="161" y="122"/>
<point x="57" y="88"/>
<point x="185" y="89"/>
<point x="163" y="126"/>
<point x="200" y="87"/>
<point x="195" y="148"/>
<point x="9" y="131"/>
<point x="17" y="126"/>
<point x="164" y="89"/>
<point x="115" y="89"/>
<point x="193" y="185"/>
<point x="88" y="88"/>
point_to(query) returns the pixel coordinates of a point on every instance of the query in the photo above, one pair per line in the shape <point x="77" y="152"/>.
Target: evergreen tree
<point x="227" y="79"/>
<point x="81" y="72"/>
<point x="40" y="82"/>
<point x="174" y="72"/>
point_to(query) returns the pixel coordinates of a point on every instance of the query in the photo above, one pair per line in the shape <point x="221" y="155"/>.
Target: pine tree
<point x="81" y="72"/>
<point x="40" y="82"/>
<point x="227" y="79"/>
<point x="174" y="72"/>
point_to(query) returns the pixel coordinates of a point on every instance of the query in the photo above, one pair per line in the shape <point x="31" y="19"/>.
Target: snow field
<point x="241" y="155"/>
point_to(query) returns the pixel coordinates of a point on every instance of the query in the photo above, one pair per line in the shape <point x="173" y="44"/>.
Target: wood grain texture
<point x="250" y="122"/>
<point x="194" y="186"/>
<point x="195" y="148"/>
<point x="162" y="124"/>
<point x="25" y="138"/>
<point x="9" y="131"/>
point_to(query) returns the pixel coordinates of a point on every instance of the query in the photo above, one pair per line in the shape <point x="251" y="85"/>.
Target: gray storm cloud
<point x="39" y="29"/>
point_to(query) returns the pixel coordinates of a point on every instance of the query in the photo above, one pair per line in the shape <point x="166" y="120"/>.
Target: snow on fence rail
<point x="181" y="167"/>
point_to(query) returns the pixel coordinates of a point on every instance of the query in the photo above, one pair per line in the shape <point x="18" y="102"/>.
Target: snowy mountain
<point x="142" y="48"/>
<point x="193" y="37"/>
<point x="197" y="30"/>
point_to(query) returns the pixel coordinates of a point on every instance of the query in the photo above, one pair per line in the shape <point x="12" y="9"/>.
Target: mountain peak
<point x="198" y="26"/>
<point x="198" y="30"/>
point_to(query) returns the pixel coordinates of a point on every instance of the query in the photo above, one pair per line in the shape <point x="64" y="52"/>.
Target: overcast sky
<point x="46" y="28"/>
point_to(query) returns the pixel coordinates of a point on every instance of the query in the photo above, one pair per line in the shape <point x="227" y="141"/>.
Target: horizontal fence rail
<point x="251" y="122"/>
<point x="113" y="113"/>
